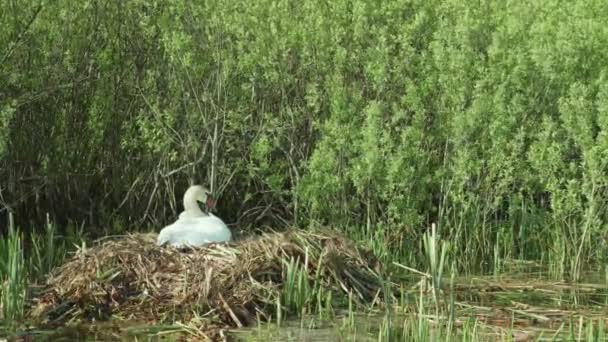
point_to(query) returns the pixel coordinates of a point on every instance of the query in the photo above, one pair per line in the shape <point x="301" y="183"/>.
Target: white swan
<point x="194" y="227"/>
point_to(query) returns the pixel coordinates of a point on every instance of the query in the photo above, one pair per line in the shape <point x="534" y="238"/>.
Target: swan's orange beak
<point x="210" y="202"/>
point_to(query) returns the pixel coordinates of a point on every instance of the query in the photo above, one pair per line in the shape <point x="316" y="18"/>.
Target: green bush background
<point x="488" y="118"/>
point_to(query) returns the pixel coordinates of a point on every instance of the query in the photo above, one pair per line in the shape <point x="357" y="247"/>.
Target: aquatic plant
<point x="13" y="275"/>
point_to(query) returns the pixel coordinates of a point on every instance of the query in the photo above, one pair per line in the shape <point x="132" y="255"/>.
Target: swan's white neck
<point x="190" y="200"/>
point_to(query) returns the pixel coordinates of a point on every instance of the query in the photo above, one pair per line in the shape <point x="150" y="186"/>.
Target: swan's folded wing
<point x="171" y="232"/>
<point x="163" y="237"/>
<point x="194" y="232"/>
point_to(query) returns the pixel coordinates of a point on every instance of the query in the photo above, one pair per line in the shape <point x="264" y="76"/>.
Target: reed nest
<point x="231" y="285"/>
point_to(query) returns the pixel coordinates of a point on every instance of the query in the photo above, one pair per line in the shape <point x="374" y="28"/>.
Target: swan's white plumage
<point x="194" y="228"/>
<point x="194" y="232"/>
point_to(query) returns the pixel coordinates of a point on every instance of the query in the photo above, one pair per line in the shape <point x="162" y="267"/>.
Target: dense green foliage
<point x="489" y="118"/>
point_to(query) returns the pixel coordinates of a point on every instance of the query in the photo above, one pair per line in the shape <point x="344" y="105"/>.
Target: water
<point x="105" y="331"/>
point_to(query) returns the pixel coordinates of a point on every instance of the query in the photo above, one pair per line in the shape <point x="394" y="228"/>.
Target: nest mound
<point x="232" y="284"/>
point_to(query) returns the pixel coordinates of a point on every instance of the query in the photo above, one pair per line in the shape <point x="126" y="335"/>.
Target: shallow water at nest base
<point x="106" y="331"/>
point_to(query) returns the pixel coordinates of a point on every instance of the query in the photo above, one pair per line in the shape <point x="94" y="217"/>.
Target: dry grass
<point x="229" y="285"/>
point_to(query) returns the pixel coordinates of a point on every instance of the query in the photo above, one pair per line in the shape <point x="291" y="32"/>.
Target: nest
<point x="231" y="285"/>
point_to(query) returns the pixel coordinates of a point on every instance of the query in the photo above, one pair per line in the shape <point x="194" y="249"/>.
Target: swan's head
<point x="196" y="194"/>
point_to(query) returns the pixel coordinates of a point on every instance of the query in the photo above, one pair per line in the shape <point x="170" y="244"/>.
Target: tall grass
<point x="297" y="291"/>
<point x="47" y="252"/>
<point x="13" y="274"/>
<point x="300" y="294"/>
<point x="435" y="251"/>
<point x="19" y="269"/>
